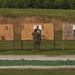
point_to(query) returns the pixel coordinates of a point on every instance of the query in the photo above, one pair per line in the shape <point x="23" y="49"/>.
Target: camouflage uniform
<point x="39" y="31"/>
<point x="36" y="39"/>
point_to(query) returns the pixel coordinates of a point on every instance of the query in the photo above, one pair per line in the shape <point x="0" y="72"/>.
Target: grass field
<point x="37" y="72"/>
<point x="46" y="48"/>
<point x="30" y="12"/>
<point x="37" y="62"/>
<point x="51" y="52"/>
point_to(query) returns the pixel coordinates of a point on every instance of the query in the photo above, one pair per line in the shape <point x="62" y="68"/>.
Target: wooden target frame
<point x="68" y="32"/>
<point x="6" y="32"/>
<point x="47" y="30"/>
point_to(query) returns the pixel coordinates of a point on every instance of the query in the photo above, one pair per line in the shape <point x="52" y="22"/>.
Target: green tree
<point x="12" y="3"/>
<point x="23" y="3"/>
<point x="3" y="3"/>
<point x="48" y="4"/>
<point x="61" y="4"/>
<point x="72" y="4"/>
<point x="35" y="4"/>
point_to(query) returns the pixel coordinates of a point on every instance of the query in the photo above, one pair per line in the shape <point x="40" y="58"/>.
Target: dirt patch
<point x="34" y="19"/>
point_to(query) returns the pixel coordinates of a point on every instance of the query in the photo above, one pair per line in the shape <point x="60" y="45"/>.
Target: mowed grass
<point x="23" y="62"/>
<point x="51" y="52"/>
<point x="42" y="12"/>
<point x="46" y="48"/>
<point x="19" y="47"/>
<point x="37" y="71"/>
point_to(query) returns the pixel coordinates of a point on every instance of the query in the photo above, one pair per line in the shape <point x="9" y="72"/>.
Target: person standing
<point x="39" y="32"/>
<point x="36" y="39"/>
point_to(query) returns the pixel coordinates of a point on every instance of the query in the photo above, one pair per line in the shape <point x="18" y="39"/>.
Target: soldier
<point x="36" y="39"/>
<point x="39" y="31"/>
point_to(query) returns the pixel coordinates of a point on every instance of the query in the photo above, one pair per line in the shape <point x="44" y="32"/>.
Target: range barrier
<point x="20" y="37"/>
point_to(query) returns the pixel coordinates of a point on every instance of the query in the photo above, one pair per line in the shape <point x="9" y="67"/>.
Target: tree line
<point x="44" y="4"/>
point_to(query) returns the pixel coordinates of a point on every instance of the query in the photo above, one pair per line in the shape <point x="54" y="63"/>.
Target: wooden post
<point x="13" y="38"/>
<point x="54" y="38"/>
<point x="62" y="38"/>
<point x="22" y="44"/>
<point x="13" y="45"/>
<point x="62" y="44"/>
